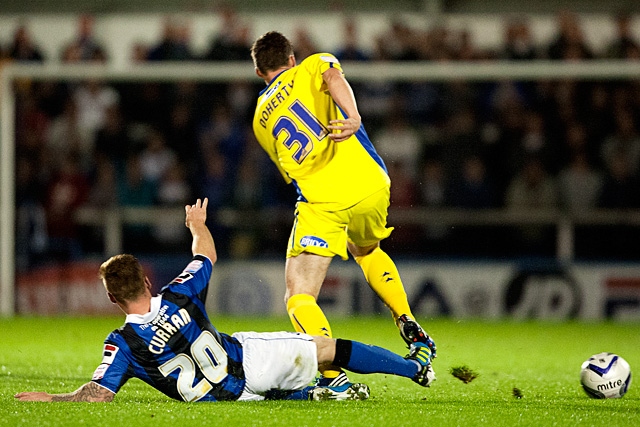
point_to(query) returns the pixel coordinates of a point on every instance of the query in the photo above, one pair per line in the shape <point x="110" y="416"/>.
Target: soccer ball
<point x="605" y="376"/>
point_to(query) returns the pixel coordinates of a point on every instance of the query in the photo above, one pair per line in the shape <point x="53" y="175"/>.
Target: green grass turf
<point x="541" y="359"/>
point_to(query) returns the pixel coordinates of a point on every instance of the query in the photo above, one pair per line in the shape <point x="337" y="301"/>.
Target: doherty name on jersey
<point x="282" y="92"/>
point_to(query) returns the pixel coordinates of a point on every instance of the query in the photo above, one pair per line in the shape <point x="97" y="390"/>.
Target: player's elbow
<point x="213" y="257"/>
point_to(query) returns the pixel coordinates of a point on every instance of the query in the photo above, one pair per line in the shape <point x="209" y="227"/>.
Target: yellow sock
<point x="383" y="277"/>
<point x="307" y="316"/>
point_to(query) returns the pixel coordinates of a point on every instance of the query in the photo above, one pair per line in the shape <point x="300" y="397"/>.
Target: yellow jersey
<point x="290" y="122"/>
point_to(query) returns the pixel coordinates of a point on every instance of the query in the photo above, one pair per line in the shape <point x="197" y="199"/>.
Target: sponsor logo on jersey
<point x="108" y="356"/>
<point x="270" y="92"/>
<point x="98" y="374"/>
<point x="329" y="59"/>
<point x="109" y="353"/>
<point x="182" y="278"/>
<point x="313" y="241"/>
<point x="193" y="266"/>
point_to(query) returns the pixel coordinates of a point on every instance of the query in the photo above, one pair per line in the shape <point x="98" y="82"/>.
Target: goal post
<point x="605" y="70"/>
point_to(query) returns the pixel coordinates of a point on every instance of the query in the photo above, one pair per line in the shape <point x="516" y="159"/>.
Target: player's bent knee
<point x="360" y="251"/>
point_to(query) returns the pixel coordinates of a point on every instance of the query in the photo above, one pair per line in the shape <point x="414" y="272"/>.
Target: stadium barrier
<point x="478" y="289"/>
<point x="112" y="220"/>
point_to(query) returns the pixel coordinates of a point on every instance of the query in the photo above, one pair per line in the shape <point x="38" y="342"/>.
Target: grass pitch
<point x="528" y="375"/>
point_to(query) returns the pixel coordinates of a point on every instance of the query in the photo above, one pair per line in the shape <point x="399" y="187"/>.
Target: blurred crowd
<point x="565" y="144"/>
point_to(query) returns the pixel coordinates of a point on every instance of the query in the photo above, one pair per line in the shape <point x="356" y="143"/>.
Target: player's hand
<point x="33" y="396"/>
<point x="196" y="213"/>
<point x="341" y="130"/>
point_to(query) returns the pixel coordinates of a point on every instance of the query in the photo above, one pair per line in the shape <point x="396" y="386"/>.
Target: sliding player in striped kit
<point x="169" y="342"/>
<point x="307" y="121"/>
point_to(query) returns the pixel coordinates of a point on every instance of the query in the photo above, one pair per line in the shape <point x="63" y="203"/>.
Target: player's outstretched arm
<point x="342" y="94"/>
<point x="89" y="392"/>
<point x="196" y="217"/>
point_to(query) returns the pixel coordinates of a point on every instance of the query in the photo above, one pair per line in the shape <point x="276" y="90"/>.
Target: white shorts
<point x="276" y="360"/>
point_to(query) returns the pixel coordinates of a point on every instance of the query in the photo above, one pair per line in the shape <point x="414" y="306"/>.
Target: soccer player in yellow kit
<point x="307" y="121"/>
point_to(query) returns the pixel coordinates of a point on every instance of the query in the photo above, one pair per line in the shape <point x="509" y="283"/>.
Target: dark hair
<point x="271" y="51"/>
<point x="123" y="277"/>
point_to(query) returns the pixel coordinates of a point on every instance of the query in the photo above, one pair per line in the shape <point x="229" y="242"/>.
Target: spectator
<point x="303" y="43"/>
<point x="67" y="191"/>
<point x="241" y="98"/>
<point x="52" y="96"/>
<point x="532" y="187"/>
<point x="624" y="46"/>
<point x="536" y="142"/>
<point x="181" y="135"/>
<point x="532" y="190"/>
<point x="102" y="194"/>
<point x="251" y="186"/>
<point x="139" y="53"/>
<point x="461" y="139"/>
<point x="569" y="42"/>
<point x="32" y="127"/>
<point x="212" y="183"/>
<point x="433" y="184"/>
<point x="398" y="142"/>
<point x="112" y="140"/>
<point x="575" y="142"/>
<point x="174" y="45"/>
<point x="472" y="189"/>
<point x="621" y="189"/>
<point x="401" y="42"/>
<point x="224" y="135"/>
<point x="350" y="49"/>
<point x="173" y="191"/>
<point x="579" y="184"/>
<point x="404" y="194"/>
<point x="598" y="121"/>
<point x="404" y="191"/>
<point x="93" y="98"/>
<point x="518" y="41"/>
<point x="66" y="136"/>
<point x="623" y="143"/>
<point x="156" y="159"/>
<point x="233" y="41"/>
<point x="134" y="190"/>
<point x="464" y="48"/>
<point x="433" y="192"/>
<point x="84" y="47"/>
<point x="23" y="48"/>
<point x="31" y="224"/>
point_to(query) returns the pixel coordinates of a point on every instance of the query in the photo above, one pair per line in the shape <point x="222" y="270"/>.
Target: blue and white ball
<point x="605" y="376"/>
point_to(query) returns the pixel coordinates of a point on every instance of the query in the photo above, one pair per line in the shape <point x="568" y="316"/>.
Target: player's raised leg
<point x="382" y="275"/>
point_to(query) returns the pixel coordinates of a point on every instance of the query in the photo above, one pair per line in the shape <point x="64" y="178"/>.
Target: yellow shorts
<point x="326" y="233"/>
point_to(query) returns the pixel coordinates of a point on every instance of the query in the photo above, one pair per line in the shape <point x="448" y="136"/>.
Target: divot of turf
<point x="464" y="373"/>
